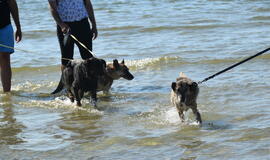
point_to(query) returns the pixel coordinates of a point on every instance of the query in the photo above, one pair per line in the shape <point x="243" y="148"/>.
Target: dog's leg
<point x="93" y="99"/>
<point x="106" y="92"/>
<point x="197" y="114"/>
<point x="70" y="95"/>
<point x="77" y="97"/>
<point x="181" y="115"/>
<point x="81" y="93"/>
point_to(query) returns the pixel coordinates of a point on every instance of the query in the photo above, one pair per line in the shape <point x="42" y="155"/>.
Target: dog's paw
<point x="79" y="103"/>
<point x="94" y="103"/>
<point x="71" y="99"/>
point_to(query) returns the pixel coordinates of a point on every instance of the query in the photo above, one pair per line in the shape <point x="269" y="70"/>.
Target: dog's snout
<point x="182" y="89"/>
<point x="127" y="75"/>
<point x="131" y="77"/>
<point x="183" y="99"/>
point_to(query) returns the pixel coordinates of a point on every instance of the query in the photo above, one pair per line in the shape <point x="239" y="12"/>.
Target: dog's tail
<point x="181" y="74"/>
<point x="59" y="87"/>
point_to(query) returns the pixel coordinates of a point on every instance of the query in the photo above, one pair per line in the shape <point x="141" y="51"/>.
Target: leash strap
<point x="72" y="36"/>
<point x="228" y="68"/>
<point x="2" y="45"/>
<point x="26" y="51"/>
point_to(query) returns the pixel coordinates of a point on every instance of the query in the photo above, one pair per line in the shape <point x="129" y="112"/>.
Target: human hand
<point x="64" y="28"/>
<point x="95" y="33"/>
<point x="18" y="35"/>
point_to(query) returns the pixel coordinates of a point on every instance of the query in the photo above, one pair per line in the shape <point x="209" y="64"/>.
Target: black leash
<point x="226" y="69"/>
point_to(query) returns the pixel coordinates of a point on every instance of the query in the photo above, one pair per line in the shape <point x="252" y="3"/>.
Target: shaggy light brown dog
<point x="184" y="95"/>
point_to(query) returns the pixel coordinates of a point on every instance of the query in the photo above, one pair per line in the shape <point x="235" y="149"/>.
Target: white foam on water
<point x="146" y="62"/>
<point x="193" y="123"/>
<point x="172" y="117"/>
<point x="29" y="86"/>
<point x="63" y="100"/>
<point x="61" y="103"/>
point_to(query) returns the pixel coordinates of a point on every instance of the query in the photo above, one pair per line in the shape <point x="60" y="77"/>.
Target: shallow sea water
<point x="157" y="39"/>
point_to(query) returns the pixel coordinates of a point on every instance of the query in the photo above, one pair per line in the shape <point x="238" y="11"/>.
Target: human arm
<point x="53" y="8"/>
<point x="15" y="15"/>
<point x="90" y="11"/>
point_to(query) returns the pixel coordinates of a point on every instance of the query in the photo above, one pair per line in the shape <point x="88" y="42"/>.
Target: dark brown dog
<point x="79" y="77"/>
<point x="113" y="72"/>
<point x="184" y="95"/>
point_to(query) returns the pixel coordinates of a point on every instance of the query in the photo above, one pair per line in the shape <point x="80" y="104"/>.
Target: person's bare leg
<point x="6" y="73"/>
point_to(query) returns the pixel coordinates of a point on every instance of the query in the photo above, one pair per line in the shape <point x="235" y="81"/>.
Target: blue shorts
<point x="6" y="39"/>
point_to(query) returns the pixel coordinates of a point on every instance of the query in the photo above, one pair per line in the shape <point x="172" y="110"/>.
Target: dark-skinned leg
<point x="6" y="73"/>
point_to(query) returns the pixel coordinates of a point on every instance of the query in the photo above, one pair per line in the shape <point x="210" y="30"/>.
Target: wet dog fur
<point x="184" y="96"/>
<point x="114" y="71"/>
<point x="79" y="77"/>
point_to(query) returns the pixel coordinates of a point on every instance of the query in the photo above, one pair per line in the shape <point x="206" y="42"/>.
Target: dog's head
<point x="95" y="66"/>
<point x="185" y="88"/>
<point x="118" y="70"/>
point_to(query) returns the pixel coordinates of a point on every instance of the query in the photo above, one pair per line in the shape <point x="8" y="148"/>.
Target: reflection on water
<point x="9" y="127"/>
<point x="83" y="126"/>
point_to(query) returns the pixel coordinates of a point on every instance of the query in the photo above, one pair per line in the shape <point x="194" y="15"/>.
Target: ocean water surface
<point x="157" y="39"/>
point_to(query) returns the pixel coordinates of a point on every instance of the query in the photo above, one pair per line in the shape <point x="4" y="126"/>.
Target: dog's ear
<point x="123" y="61"/>
<point x="115" y="63"/>
<point x="173" y="86"/>
<point x="194" y="85"/>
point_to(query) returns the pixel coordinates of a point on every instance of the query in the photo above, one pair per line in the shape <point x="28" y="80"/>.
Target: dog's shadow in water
<point x="216" y="125"/>
<point x="34" y="96"/>
<point x="105" y="102"/>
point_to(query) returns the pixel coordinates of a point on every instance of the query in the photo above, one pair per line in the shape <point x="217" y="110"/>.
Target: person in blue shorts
<point x="8" y="7"/>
